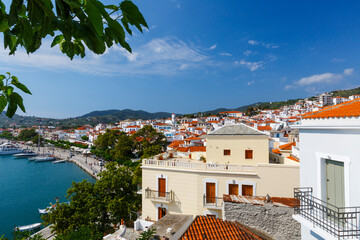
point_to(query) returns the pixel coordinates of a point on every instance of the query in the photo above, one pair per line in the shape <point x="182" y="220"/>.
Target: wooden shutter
<point x="210" y="192"/>
<point x="227" y="152"/>
<point x="247" y="190"/>
<point x="233" y="189"/>
<point x="248" y="154"/>
<point x="161" y="212"/>
<point x="162" y="187"/>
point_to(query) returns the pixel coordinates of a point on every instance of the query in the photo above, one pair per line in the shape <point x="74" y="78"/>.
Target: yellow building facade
<point x="237" y="163"/>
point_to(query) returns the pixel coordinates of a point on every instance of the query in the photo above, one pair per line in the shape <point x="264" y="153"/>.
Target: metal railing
<point x="342" y="222"/>
<point x="157" y="195"/>
<point x="212" y="201"/>
<point x="199" y="166"/>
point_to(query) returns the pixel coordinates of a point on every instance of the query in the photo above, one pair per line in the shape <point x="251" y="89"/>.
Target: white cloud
<point x="250" y="83"/>
<point x="250" y="65"/>
<point x="253" y="42"/>
<point x="348" y="72"/>
<point x="212" y="47"/>
<point x="225" y="54"/>
<point x="266" y="45"/>
<point x="247" y="52"/>
<point x="319" y="79"/>
<point x="337" y="60"/>
<point x="161" y="56"/>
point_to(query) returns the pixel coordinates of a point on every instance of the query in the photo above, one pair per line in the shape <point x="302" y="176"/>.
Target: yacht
<point x="25" y="154"/>
<point x="9" y="148"/>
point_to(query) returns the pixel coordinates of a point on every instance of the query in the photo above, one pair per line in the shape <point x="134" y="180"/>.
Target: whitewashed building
<point x="329" y="198"/>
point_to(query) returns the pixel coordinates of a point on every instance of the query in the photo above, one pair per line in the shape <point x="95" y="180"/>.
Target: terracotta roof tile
<point x="342" y="110"/>
<point x="293" y="158"/>
<point x="287" y="146"/>
<point x="213" y="228"/>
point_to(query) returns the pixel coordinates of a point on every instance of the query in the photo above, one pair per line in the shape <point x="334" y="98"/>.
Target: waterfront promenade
<point x="88" y="164"/>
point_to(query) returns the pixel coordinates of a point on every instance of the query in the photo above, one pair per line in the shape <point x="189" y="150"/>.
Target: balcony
<point x="340" y="222"/>
<point x="213" y="202"/>
<point x="196" y="165"/>
<point x="157" y="196"/>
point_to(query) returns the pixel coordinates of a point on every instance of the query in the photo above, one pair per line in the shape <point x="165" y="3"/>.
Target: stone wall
<point x="272" y="221"/>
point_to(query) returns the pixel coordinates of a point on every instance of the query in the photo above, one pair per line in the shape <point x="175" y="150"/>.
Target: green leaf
<point x="119" y="34"/>
<point x="21" y="86"/>
<point x="94" y="17"/>
<point x="112" y="7"/>
<point x="57" y="40"/>
<point x="131" y="11"/>
<point x="125" y="22"/>
<point x="15" y="79"/>
<point x="12" y="107"/>
<point x="18" y="100"/>
<point x="3" y="103"/>
<point x="2" y="77"/>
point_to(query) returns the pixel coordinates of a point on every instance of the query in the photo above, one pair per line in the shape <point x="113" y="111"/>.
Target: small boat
<point x="44" y="159"/>
<point x="59" y="161"/>
<point x="44" y="211"/>
<point x="28" y="227"/>
<point x="25" y="155"/>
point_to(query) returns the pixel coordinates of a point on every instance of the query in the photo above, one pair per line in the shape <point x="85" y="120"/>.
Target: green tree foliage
<point x="85" y="138"/>
<point x="148" y="140"/>
<point x="147" y="235"/>
<point x="23" y="235"/>
<point x="8" y="97"/>
<point x="74" y="25"/>
<point x="27" y="134"/>
<point x="114" y="145"/>
<point x="96" y="206"/>
<point x="83" y="233"/>
<point x="36" y="140"/>
<point x="6" y="134"/>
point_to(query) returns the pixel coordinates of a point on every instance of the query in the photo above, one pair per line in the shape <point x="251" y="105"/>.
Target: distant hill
<point x="127" y="114"/>
<point x="346" y="93"/>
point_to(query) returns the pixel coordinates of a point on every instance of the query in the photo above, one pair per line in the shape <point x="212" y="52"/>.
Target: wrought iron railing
<point x="342" y="222"/>
<point x="157" y="195"/>
<point x="212" y="201"/>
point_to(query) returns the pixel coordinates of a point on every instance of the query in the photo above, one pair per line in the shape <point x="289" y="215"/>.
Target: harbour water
<point x="26" y="186"/>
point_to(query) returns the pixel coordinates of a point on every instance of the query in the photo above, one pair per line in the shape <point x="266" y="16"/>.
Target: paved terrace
<point x="193" y="165"/>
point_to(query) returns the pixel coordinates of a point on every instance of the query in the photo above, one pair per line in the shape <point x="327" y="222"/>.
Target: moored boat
<point x="44" y="158"/>
<point x="25" y="155"/>
<point x="9" y="148"/>
<point x="29" y="227"/>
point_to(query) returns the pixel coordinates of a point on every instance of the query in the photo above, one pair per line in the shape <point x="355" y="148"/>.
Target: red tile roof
<point x="264" y="128"/>
<point x="197" y="149"/>
<point x="213" y="228"/>
<point x="293" y="158"/>
<point x="342" y="110"/>
<point x="287" y="146"/>
<point x="276" y="151"/>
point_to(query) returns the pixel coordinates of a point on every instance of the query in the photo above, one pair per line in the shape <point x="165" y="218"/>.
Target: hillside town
<point x="263" y="176"/>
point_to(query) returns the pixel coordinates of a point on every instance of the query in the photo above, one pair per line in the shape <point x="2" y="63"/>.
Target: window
<point x="210" y="193"/>
<point x="248" y="154"/>
<point x="233" y="189"/>
<point x="162" y="187"/>
<point x="227" y="152"/>
<point x="247" y="190"/>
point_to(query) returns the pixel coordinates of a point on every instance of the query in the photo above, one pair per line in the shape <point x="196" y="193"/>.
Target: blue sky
<point x="202" y="55"/>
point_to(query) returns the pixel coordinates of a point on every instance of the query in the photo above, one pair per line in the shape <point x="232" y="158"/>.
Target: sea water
<point x="26" y="186"/>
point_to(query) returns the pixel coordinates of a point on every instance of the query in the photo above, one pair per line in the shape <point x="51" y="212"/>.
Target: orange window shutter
<point x="162" y="187"/>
